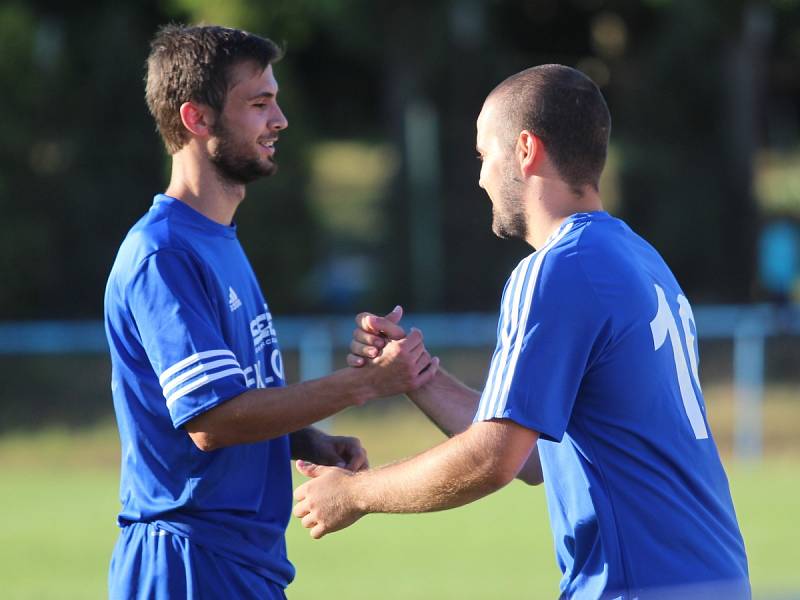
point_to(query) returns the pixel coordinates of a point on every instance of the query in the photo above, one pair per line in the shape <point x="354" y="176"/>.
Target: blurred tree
<point x="76" y="145"/>
<point x="688" y="97"/>
<point x="695" y="88"/>
<point x="83" y="159"/>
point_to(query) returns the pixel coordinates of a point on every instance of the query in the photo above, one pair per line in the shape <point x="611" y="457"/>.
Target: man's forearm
<point x="466" y="467"/>
<point x="266" y="413"/>
<point x="451" y="406"/>
<point x="262" y="414"/>
<point x="447" y="402"/>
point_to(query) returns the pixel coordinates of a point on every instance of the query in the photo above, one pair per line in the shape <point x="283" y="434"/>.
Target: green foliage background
<point x="697" y="91"/>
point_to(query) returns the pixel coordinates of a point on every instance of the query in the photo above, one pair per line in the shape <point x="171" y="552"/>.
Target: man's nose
<point x="279" y="120"/>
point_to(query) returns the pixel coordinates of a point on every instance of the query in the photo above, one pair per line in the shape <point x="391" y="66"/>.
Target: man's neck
<point x="196" y="182"/>
<point x="553" y="204"/>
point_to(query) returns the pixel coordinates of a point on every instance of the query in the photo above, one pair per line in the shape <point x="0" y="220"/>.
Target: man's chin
<point x="244" y="174"/>
<point x="507" y="233"/>
<point x="500" y="232"/>
<point x="267" y="168"/>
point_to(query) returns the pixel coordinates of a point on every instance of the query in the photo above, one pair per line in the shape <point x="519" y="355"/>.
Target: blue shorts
<point x="154" y="564"/>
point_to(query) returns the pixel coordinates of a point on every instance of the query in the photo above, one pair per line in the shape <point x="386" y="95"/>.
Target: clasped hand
<point x="329" y="501"/>
<point x="400" y="362"/>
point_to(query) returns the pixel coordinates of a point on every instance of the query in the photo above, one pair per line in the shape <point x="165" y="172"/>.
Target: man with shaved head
<point x="593" y="388"/>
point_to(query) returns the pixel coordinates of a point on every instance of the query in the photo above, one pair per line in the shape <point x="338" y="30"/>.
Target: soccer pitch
<point x="59" y="498"/>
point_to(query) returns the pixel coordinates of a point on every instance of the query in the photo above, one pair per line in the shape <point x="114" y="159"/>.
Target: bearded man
<point x="593" y="388"/>
<point x="207" y="424"/>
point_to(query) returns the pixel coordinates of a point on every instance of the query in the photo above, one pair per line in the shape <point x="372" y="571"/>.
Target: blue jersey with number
<point x="188" y="329"/>
<point x="597" y="352"/>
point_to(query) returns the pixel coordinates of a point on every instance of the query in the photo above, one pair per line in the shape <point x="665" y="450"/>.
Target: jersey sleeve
<point x="550" y="326"/>
<point x="178" y="325"/>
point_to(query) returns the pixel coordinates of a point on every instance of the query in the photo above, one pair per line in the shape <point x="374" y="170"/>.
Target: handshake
<point x="392" y="361"/>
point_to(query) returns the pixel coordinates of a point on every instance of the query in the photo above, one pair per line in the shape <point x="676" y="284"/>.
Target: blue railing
<point x="316" y="338"/>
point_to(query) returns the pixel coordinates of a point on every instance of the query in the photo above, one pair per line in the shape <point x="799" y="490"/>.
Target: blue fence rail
<point x="316" y="338"/>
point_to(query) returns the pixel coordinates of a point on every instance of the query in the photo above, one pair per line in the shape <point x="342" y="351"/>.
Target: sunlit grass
<point x="59" y="495"/>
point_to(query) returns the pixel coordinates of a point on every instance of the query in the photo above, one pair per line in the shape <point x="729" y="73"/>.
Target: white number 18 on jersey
<point x="663" y="325"/>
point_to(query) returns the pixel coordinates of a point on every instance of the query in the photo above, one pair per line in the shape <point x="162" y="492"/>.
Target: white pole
<point x="748" y="376"/>
<point x="316" y="357"/>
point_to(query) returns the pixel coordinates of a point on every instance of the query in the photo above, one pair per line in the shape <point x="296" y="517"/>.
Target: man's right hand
<point x="400" y="362"/>
<point x="372" y="334"/>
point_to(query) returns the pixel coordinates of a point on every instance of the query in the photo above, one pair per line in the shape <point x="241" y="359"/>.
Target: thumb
<point x="384" y="326"/>
<point x="309" y="469"/>
<point x="396" y="314"/>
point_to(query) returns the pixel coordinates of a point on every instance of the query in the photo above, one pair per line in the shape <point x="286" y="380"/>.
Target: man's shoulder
<point x="155" y="233"/>
<point x="598" y="242"/>
<point x="563" y="250"/>
<point x="551" y="271"/>
<point x="583" y="247"/>
<point x="591" y="230"/>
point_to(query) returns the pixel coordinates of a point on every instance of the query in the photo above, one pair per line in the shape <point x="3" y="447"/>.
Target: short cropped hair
<point x="193" y="63"/>
<point x="563" y="108"/>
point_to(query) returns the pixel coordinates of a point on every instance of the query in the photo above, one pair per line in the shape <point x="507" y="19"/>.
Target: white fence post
<point x="316" y="356"/>
<point x="748" y="379"/>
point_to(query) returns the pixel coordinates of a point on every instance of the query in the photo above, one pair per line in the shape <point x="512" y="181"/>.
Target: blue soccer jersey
<point x="597" y="352"/>
<point x="188" y="329"/>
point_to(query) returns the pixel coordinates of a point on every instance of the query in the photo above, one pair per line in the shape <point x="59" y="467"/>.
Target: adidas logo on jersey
<point x="233" y="299"/>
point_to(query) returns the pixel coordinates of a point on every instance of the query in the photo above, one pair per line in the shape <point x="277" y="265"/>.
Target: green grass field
<point x="59" y="499"/>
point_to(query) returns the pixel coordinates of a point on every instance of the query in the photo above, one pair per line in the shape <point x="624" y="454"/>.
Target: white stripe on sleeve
<point x="190" y="360"/>
<point x="508" y="321"/>
<point x="494" y="405"/>
<point x="202" y="367"/>
<point x="199" y="382"/>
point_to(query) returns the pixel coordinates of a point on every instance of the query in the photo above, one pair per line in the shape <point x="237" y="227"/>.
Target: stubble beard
<point x="509" y="219"/>
<point x="233" y="163"/>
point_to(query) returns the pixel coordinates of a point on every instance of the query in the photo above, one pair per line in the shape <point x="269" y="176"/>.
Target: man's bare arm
<point x="451" y="405"/>
<point x="262" y="414"/>
<point x="468" y="466"/>
<point x="446" y="401"/>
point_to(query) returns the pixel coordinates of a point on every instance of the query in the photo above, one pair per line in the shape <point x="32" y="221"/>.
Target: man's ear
<point x="197" y="118"/>
<point x="529" y="152"/>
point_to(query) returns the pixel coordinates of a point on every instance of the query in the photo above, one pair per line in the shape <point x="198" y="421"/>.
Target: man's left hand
<point x="318" y="447"/>
<point x="325" y="504"/>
